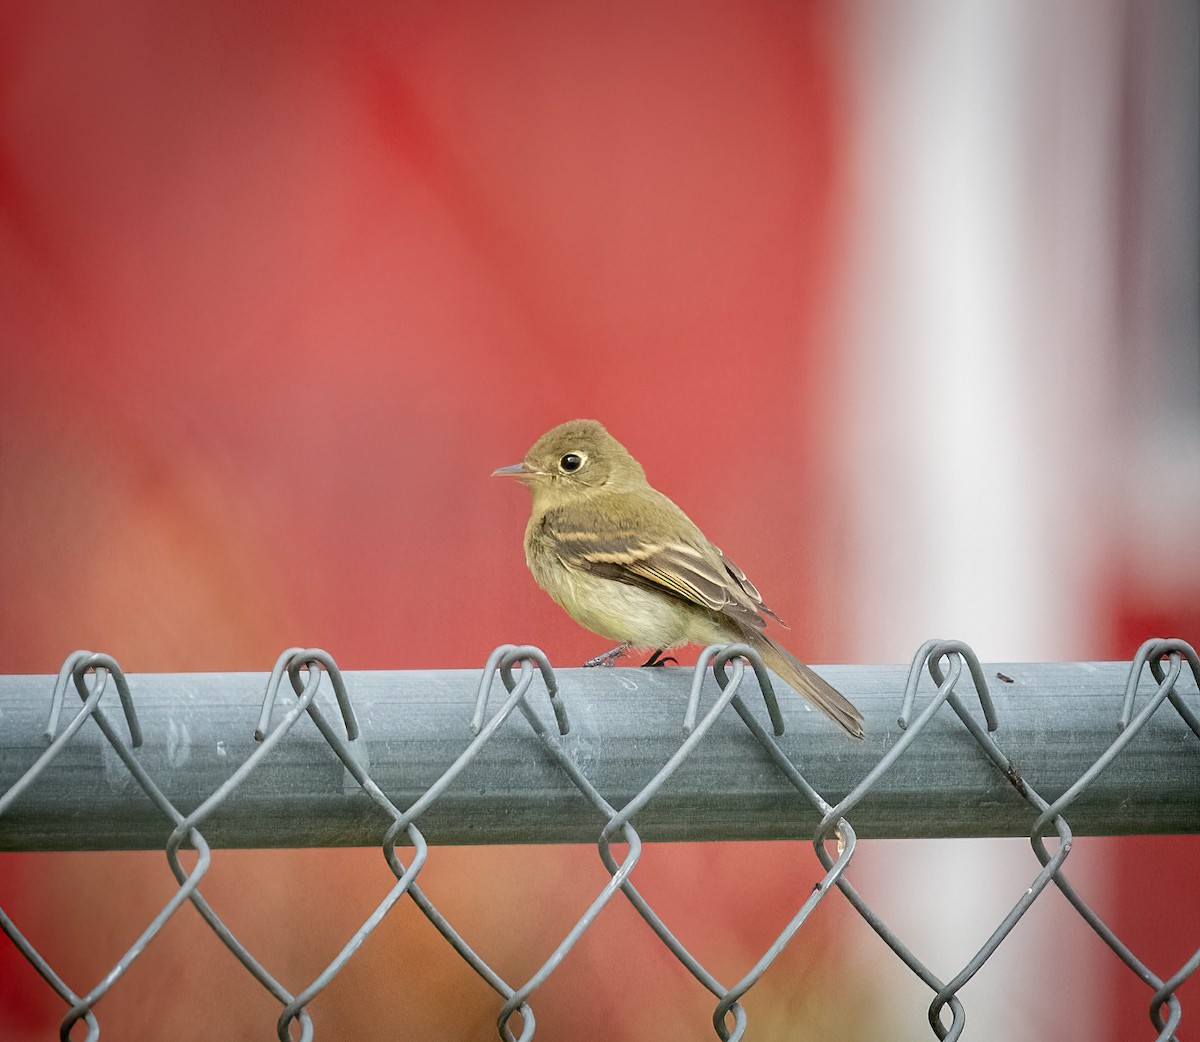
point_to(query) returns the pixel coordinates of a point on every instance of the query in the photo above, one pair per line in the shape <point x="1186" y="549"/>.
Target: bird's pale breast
<point x="624" y="613"/>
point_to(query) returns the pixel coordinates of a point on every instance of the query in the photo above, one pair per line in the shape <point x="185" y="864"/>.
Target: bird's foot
<point x="657" y="659"/>
<point x="608" y="658"/>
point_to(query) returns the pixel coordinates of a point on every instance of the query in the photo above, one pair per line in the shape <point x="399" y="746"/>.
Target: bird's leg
<point x="657" y="660"/>
<point x="609" y="657"/>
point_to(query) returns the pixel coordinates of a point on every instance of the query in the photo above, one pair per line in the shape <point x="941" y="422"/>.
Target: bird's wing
<point x="691" y="569"/>
<point x="746" y="586"/>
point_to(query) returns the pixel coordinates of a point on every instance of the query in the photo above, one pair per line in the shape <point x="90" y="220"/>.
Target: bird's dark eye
<point x="571" y="462"/>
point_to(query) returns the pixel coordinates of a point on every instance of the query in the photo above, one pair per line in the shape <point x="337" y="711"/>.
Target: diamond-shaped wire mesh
<point x="578" y="764"/>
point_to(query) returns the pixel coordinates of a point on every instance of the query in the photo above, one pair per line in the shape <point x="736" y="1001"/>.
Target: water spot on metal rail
<point x="179" y="744"/>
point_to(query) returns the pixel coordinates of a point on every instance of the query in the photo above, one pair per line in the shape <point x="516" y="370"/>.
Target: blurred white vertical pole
<point x="984" y="161"/>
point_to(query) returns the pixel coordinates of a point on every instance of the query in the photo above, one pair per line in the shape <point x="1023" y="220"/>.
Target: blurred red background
<point x="281" y="284"/>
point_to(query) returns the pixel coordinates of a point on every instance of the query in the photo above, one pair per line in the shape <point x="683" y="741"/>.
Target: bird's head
<point x="575" y="458"/>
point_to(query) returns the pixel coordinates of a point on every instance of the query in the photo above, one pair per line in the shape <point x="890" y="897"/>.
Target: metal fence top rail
<point x="610" y="756"/>
<point x="407" y="729"/>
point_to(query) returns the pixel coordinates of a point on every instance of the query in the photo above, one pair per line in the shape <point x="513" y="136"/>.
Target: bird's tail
<point x="819" y="692"/>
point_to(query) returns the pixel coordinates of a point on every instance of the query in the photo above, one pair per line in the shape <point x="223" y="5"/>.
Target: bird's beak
<point x="517" y="470"/>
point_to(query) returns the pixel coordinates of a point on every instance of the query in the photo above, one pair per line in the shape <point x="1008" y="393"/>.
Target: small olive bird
<point x="624" y="561"/>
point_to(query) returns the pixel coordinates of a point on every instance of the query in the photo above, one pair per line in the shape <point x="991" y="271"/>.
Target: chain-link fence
<point x="399" y="770"/>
